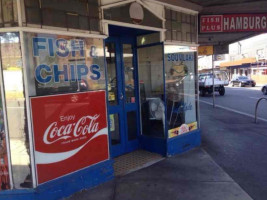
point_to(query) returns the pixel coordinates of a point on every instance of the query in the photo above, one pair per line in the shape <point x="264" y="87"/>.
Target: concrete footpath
<point x="238" y="145"/>
<point x="189" y="176"/>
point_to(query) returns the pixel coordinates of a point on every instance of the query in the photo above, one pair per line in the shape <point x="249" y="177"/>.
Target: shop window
<point x="12" y="72"/>
<point x="150" y="69"/>
<point x="71" y="14"/>
<point x="148" y="39"/>
<point x="110" y="51"/>
<point x="181" y="91"/>
<point x="8" y="13"/>
<point x="129" y="70"/>
<point x="180" y="26"/>
<point x="114" y="129"/>
<point x="63" y="64"/>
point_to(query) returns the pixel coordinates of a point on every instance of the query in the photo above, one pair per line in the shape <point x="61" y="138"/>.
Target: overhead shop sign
<point x="205" y="50"/>
<point x="233" y="23"/>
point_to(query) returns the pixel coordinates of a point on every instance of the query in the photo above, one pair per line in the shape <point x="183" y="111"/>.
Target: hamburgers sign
<point x="233" y="23"/>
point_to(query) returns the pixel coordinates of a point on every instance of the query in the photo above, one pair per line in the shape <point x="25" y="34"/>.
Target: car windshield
<point x="204" y="76"/>
<point x="243" y="77"/>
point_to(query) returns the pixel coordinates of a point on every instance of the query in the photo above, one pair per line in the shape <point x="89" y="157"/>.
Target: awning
<point x="237" y="62"/>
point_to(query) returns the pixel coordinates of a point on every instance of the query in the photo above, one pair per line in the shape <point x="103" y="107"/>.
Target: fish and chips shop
<point x="84" y="82"/>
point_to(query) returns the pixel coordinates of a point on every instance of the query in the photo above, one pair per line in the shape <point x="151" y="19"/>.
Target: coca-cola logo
<point x="72" y="131"/>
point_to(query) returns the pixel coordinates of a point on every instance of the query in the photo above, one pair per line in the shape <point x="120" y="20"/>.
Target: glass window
<point x="16" y="109"/>
<point x="129" y="70"/>
<point x="114" y="129"/>
<point x="8" y="13"/>
<point x="63" y="64"/>
<point x="71" y="14"/>
<point x="132" y="125"/>
<point x="180" y="26"/>
<point x="111" y="72"/>
<point x="148" y="39"/>
<point x="181" y="91"/>
<point x="150" y="69"/>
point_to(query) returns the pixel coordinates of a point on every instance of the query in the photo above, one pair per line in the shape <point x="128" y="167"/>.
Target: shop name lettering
<point x="84" y="126"/>
<point x="69" y="72"/>
<point x="233" y="23"/>
<point x="180" y="57"/>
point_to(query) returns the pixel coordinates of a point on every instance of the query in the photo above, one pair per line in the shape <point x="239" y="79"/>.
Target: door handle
<point x="121" y="96"/>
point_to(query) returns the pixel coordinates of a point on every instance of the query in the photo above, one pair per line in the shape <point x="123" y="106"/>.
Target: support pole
<point x="213" y="87"/>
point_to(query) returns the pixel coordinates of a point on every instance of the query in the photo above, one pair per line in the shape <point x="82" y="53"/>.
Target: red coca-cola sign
<point x="70" y="133"/>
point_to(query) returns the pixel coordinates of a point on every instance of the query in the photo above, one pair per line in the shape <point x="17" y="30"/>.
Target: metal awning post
<point x="213" y="88"/>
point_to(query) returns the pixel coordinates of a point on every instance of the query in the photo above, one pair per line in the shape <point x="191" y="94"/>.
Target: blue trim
<point x="165" y="96"/>
<point x="65" y="186"/>
<point x="122" y="108"/>
<point x="130" y="145"/>
<point x="137" y="90"/>
<point x="152" y="144"/>
<point x="117" y="149"/>
<point x="182" y="143"/>
<point x="106" y="81"/>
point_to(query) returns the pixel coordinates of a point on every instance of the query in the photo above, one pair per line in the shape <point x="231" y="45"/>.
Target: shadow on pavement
<point x="238" y="145"/>
<point x="190" y="176"/>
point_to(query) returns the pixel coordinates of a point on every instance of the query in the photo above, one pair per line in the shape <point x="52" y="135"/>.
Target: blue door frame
<point x="123" y="107"/>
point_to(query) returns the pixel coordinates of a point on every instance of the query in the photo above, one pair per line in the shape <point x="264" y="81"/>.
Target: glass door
<point x="122" y="94"/>
<point x="151" y="83"/>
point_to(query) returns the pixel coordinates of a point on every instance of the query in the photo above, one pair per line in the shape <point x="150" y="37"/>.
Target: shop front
<point x="83" y="83"/>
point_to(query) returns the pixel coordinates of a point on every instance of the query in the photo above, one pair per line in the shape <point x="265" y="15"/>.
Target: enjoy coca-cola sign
<point x="69" y="130"/>
<point x="85" y="125"/>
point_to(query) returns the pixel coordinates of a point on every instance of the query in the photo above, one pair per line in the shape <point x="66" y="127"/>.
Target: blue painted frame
<point x="134" y="144"/>
<point x="187" y="141"/>
<point x="117" y="149"/>
<point x="150" y="143"/>
<point x="122" y="108"/>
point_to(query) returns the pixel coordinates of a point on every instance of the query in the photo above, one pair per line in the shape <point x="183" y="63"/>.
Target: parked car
<point x="264" y="89"/>
<point x="205" y="81"/>
<point x="242" y="81"/>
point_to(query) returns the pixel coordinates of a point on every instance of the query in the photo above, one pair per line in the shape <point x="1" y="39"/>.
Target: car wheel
<point x="222" y="90"/>
<point x="264" y="90"/>
<point x="253" y="85"/>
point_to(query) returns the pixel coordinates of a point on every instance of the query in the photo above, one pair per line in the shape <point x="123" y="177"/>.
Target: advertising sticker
<point x="184" y="128"/>
<point x="70" y="133"/>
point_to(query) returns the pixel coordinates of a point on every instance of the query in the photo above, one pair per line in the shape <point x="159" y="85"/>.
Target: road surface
<point x="240" y="99"/>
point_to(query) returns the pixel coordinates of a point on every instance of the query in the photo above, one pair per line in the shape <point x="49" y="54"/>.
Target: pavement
<point x="193" y="175"/>
<point x="190" y="176"/>
<point x="238" y="145"/>
<point x="229" y="165"/>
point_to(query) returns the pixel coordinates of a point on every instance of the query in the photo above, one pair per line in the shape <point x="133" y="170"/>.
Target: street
<point x="240" y="99"/>
<point x="234" y="141"/>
